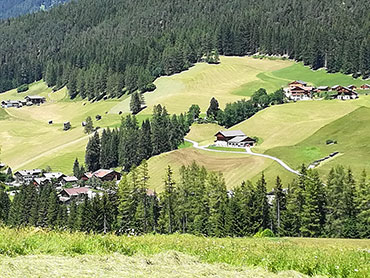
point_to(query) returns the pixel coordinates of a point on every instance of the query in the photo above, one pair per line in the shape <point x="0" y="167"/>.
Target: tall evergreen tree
<point x="92" y="155"/>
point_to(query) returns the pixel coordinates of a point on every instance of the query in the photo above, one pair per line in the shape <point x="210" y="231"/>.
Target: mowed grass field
<point x="39" y="253"/>
<point x="28" y="141"/>
<point x="203" y="81"/>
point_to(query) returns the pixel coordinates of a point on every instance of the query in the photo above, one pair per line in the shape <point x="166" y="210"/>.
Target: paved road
<point x="248" y="151"/>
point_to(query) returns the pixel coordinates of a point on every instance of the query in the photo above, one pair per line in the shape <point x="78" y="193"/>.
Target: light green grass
<point x="274" y="80"/>
<point x="352" y="134"/>
<point x="185" y="145"/>
<point x="203" y="81"/>
<point x="325" y="257"/>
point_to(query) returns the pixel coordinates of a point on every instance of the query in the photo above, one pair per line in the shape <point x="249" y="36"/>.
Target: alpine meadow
<point x="184" y="138"/>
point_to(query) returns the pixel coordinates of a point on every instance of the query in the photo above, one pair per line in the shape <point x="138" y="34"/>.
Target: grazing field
<point x="203" y="81"/>
<point x="235" y="167"/>
<point x="274" y="80"/>
<point x="39" y="253"/>
<point x="28" y="141"/>
<point x="352" y="135"/>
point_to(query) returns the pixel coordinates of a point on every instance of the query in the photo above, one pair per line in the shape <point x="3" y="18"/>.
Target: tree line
<point x="241" y="110"/>
<point x="108" y="47"/>
<point x="130" y="144"/>
<point x="199" y="203"/>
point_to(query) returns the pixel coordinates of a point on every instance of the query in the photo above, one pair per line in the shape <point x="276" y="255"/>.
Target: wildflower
<point x="315" y="257"/>
<point x="356" y="269"/>
<point x="337" y="267"/>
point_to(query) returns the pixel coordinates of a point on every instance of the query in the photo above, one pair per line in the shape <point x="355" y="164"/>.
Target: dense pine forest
<point x="199" y="203"/>
<point x="107" y="47"/>
<point x="13" y="8"/>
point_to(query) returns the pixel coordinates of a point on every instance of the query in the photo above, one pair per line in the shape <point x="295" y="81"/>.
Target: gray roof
<point x="232" y="133"/>
<point x="322" y="87"/>
<point x="55" y="175"/>
<point x="34" y="97"/>
<point x="301" y="82"/>
<point x="239" y="139"/>
<point x="29" y="172"/>
<point x="335" y="86"/>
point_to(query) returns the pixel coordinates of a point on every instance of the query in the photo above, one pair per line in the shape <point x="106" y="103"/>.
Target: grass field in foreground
<point x="22" y="249"/>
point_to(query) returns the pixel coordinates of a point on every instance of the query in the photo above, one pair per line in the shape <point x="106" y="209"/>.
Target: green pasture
<point x="40" y="253"/>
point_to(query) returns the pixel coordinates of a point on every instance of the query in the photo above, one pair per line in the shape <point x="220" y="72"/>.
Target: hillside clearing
<point x="203" y="81"/>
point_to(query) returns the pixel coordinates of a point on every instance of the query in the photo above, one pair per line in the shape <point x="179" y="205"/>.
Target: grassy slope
<point x="28" y="141"/>
<point x="352" y="133"/>
<point x="202" y="82"/>
<point x="274" y="80"/>
<point x="91" y="254"/>
<point x="235" y="167"/>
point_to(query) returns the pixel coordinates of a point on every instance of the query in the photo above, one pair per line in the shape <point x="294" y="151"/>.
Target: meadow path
<point x="249" y="152"/>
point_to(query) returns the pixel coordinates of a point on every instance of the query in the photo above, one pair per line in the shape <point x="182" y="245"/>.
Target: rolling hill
<point x="28" y="141"/>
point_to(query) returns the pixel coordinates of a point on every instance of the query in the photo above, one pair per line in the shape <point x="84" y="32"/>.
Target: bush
<point x="150" y="87"/>
<point x="22" y="88"/>
<point x="265" y="233"/>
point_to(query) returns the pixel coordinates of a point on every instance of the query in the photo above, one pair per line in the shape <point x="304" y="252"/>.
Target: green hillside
<point x="40" y="253"/>
<point x="352" y="135"/>
<point x="276" y="79"/>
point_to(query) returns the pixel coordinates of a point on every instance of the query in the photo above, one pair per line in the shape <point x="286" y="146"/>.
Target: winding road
<point x="249" y="152"/>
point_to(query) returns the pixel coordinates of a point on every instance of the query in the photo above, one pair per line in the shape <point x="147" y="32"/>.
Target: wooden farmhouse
<point x="35" y="100"/>
<point x="234" y="139"/>
<point x="103" y="175"/>
<point x="344" y="93"/>
<point x="297" y="83"/>
<point x="73" y="194"/>
<point x="365" y="87"/>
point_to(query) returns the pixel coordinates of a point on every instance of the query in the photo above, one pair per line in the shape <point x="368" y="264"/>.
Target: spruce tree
<point x="89" y="126"/>
<point x="4" y="206"/>
<point x="135" y="103"/>
<point x="53" y="209"/>
<point x="279" y="204"/>
<point x="314" y="208"/>
<point x="92" y="155"/>
<point x="76" y="169"/>
<point x="213" y="109"/>
<point x="363" y="206"/>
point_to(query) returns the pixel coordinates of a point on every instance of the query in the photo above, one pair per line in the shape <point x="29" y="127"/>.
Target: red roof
<point x="76" y="191"/>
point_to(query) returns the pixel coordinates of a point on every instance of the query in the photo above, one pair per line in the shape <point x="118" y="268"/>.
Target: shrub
<point x="264" y="233"/>
<point x="22" y="88"/>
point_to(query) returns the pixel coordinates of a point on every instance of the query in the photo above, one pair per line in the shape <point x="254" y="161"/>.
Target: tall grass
<point x="330" y="257"/>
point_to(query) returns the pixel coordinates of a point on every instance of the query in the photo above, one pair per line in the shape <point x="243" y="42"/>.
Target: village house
<point x="234" y="139"/>
<point x="35" y="100"/>
<point x="365" y="87"/>
<point x="26" y="176"/>
<point x="11" y="103"/>
<point x="322" y="89"/>
<point x="345" y="93"/>
<point x="74" y="194"/>
<point x="298" y="90"/>
<point x="68" y="179"/>
<point x="103" y="175"/>
<point x="352" y="87"/>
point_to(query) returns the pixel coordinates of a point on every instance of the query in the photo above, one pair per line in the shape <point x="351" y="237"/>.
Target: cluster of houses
<point x="74" y="191"/>
<point x="299" y="90"/>
<point x="233" y="139"/>
<point x="27" y="101"/>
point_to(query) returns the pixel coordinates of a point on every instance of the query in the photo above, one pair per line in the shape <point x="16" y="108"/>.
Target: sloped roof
<point x="299" y="81"/>
<point x="76" y="191"/>
<point x="102" y="173"/>
<point x="55" y="175"/>
<point x="231" y="133"/>
<point x="34" y="97"/>
<point x="29" y="172"/>
<point x="70" y="178"/>
<point x="239" y="139"/>
<point x="322" y="87"/>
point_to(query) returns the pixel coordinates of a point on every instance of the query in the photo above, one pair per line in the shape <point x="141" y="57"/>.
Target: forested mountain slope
<point x="12" y="8"/>
<point x="99" y="47"/>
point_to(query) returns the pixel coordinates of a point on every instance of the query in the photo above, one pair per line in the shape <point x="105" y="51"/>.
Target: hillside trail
<point x="248" y="152"/>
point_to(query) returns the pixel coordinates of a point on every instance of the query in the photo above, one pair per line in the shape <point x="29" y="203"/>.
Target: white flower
<point x="356" y="269"/>
<point x="337" y="267"/>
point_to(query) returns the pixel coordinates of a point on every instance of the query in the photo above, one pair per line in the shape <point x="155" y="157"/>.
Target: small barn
<point x="66" y="126"/>
<point x="36" y="100"/>
<point x="234" y="139"/>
